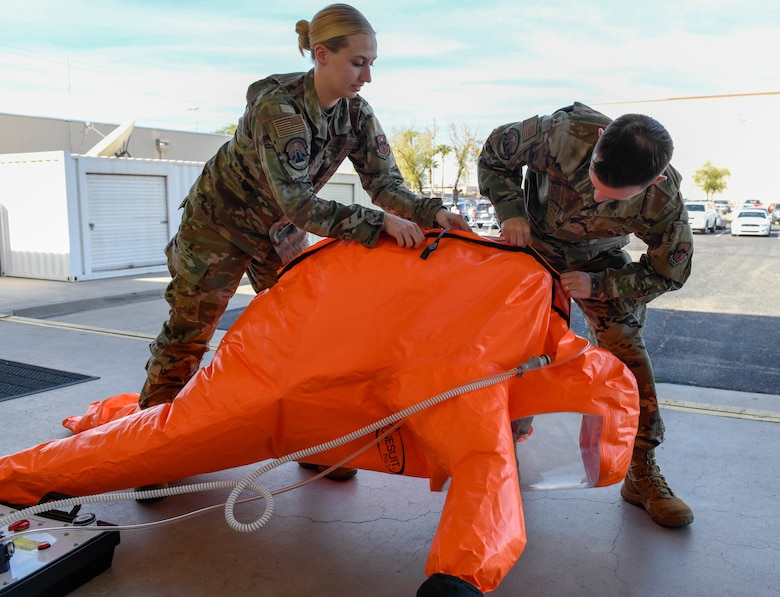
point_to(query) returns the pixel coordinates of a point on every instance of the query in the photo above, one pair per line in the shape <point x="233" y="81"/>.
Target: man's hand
<point x="516" y="231"/>
<point x="577" y="284"/>
<point x="405" y="232"/>
<point x="446" y="219"/>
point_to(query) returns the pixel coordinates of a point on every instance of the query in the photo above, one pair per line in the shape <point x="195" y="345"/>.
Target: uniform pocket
<point x="186" y="259"/>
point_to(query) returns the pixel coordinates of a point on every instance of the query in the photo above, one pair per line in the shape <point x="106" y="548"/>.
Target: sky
<point x="186" y="65"/>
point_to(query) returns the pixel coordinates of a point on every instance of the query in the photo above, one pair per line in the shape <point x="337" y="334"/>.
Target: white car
<point x="701" y="216"/>
<point x="751" y="220"/>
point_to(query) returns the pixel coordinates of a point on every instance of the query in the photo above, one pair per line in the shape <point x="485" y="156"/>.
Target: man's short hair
<point x="633" y="151"/>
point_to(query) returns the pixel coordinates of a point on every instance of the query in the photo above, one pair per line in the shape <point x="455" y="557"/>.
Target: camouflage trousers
<point x="620" y="332"/>
<point x="616" y="325"/>
<point x="206" y="270"/>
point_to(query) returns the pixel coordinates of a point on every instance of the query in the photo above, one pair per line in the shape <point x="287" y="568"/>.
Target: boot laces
<point x="649" y="473"/>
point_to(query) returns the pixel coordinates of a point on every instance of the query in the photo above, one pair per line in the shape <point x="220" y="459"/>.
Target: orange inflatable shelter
<point x="349" y="336"/>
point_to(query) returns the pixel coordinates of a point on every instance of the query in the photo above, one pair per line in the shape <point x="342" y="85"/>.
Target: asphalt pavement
<point x="702" y="349"/>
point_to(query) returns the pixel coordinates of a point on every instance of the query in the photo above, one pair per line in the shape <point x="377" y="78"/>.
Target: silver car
<point x="775" y="214"/>
<point x="485" y="215"/>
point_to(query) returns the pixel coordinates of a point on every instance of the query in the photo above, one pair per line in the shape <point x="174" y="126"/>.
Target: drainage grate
<point x="20" y="379"/>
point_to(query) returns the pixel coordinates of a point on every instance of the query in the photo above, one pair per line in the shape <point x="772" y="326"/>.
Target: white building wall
<point x="45" y="218"/>
<point x="44" y="211"/>
<point x="35" y="239"/>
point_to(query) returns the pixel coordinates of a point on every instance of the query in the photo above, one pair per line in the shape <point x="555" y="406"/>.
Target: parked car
<point x="723" y="204"/>
<point x="701" y="216"/>
<point x="465" y="208"/>
<point x="752" y="221"/>
<point x="720" y="218"/>
<point x="485" y="215"/>
<point x="775" y="213"/>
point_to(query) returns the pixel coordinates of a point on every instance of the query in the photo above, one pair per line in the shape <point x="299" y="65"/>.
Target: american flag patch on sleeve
<point x="289" y="125"/>
<point x="529" y="128"/>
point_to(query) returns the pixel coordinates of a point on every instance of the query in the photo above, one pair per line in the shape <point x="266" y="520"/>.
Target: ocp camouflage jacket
<point x="568" y="226"/>
<point x="284" y="151"/>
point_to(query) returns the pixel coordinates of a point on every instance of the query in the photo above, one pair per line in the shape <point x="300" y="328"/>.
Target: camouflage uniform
<point x="574" y="233"/>
<point x="259" y="192"/>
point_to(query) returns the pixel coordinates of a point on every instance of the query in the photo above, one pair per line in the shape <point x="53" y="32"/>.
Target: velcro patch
<point x="287" y="126"/>
<point x="680" y="255"/>
<point x="529" y="128"/>
<point x="382" y="146"/>
<point x="297" y="153"/>
<point x="509" y="143"/>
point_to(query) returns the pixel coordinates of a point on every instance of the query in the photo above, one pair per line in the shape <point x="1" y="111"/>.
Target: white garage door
<point x="342" y="192"/>
<point x="338" y="191"/>
<point x="128" y="221"/>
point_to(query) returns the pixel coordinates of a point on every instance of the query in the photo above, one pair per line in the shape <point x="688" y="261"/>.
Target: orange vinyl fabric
<point x="347" y="337"/>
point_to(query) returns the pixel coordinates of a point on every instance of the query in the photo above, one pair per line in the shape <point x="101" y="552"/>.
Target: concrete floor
<point x="370" y="536"/>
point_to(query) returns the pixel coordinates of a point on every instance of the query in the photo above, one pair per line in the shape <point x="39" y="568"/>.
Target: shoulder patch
<point x="297" y="153"/>
<point x="382" y="146"/>
<point x="680" y="255"/>
<point x="509" y="143"/>
<point x="287" y="126"/>
<point x="529" y="128"/>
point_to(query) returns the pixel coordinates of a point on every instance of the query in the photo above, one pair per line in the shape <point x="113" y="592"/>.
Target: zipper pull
<point x="434" y="245"/>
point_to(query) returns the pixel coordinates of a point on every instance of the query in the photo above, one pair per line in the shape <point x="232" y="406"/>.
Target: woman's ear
<point x="320" y="54"/>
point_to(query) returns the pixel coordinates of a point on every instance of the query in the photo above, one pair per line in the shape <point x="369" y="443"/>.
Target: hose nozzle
<point x="536" y="362"/>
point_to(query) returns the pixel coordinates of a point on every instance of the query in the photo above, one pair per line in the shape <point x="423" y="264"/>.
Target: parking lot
<point x="722" y="329"/>
<point x="734" y="275"/>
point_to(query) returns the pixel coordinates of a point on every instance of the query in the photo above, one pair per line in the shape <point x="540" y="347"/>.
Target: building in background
<point x="81" y="201"/>
<point x="27" y="134"/>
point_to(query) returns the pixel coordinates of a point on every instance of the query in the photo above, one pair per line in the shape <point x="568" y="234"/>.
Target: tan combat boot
<point x="645" y="486"/>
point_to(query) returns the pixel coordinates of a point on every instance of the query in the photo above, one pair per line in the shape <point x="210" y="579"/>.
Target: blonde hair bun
<point x="331" y="26"/>
<point x="302" y="29"/>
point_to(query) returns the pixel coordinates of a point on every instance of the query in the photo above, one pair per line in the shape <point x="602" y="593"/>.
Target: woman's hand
<point x="446" y="219"/>
<point x="405" y="232"/>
